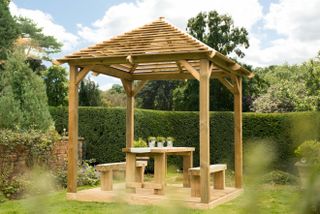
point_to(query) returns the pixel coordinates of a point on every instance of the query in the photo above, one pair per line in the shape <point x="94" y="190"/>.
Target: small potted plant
<point x="152" y="141"/>
<point x="139" y="143"/>
<point x="309" y="154"/>
<point x="170" y="141"/>
<point x="160" y="141"/>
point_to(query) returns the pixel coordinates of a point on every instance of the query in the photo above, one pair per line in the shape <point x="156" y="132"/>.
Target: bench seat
<point x="107" y="170"/>
<point x="216" y="170"/>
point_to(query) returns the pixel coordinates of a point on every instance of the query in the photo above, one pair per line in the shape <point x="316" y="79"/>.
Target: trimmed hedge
<point x="104" y="132"/>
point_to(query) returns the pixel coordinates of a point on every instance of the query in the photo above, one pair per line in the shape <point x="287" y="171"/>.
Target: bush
<point x="87" y="175"/>
<point x="38" y="146"/>
<point x="37" y="143"/>
<point x="309" y="152"/>
<point x="280" y="177"/>
<point x="104" y="132"/>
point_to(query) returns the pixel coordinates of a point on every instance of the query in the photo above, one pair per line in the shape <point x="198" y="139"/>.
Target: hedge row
<point x="104" y="132"/>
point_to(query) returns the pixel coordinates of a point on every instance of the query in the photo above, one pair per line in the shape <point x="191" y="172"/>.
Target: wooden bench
<point x="107" y="170"/>
<point x="216" y="170"/>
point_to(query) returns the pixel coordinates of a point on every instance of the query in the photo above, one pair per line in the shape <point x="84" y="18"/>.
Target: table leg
<point x="187" y="163"/>
<point x="160" y="172"/>
<point x="130" y="170"/>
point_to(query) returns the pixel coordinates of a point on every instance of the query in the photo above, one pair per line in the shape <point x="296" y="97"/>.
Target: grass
<point x="266" y="199"/>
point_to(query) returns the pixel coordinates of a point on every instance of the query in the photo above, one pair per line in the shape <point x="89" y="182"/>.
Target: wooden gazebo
<point x="157" y="51"/>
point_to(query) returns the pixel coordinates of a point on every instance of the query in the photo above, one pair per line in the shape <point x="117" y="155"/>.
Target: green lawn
<point x="265" y="199"/>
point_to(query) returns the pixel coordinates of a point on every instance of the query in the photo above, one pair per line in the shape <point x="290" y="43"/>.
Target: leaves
<point x="56" y="85"/>
<point x="89" y="94"/>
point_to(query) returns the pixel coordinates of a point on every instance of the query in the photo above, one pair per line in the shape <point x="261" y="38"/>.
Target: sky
<point x="280" y="31"/>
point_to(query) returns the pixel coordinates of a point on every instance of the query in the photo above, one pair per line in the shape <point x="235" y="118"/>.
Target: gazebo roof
<point x="157" y="50"/>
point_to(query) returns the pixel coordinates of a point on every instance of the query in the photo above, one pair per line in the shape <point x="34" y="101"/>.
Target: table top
<point x="159" y="149"/>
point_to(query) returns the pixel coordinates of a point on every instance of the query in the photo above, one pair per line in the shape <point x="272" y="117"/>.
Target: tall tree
<point x="56" y="82"/>
<point x="37" y="45"/>
<point x="23" y="101"/>
<point x="220" y="33"/>
<point x="89" y="93"/>
<point x="157" y="95"/>
<point x="8" y="30"/>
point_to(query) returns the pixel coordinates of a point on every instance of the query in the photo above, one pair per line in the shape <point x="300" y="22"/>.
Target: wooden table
<point x="160" y="165"/>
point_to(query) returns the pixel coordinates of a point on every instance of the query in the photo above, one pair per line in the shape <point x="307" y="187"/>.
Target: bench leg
<point x="106" y="180"/>
<point x="187" y="163"/>
<point x="219" y="180"/>
<point x="140" y="174"/>
<point x="195" y="186"/>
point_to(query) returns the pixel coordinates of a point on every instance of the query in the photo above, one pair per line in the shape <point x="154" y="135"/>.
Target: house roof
<point x="157" y="47"/>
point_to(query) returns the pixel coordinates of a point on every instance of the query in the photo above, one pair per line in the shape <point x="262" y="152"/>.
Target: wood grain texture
<point x="238" y="135"/>
<point x="204" y="132"/>
<point x="73" y="132"/>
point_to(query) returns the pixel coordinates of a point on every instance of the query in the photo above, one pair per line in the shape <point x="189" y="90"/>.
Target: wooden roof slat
<point x="147" y="46"/>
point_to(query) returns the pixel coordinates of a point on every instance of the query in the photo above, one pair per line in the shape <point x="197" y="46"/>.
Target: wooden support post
<point x="238" y="132"/>
<point x="128" y="86"/>
<point x="130" y="158"/>
<point x="73" y="131"/>
<point x="204" y="131"/>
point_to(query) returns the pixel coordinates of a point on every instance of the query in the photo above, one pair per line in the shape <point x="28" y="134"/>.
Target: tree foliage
<point x="37" y="44"/>
<point x="114" y="97"/>
<point x="23" y="100"/>
<point x="290" y="88"/>
<point x="89" y="93"/>
<point x="157" y="95"/>
<point x="9" y="31"/>
<point x="218" y="31"/>
<point x="56" y="85"/>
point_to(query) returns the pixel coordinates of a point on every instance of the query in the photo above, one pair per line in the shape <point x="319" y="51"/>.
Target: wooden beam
<point x="189" y="68"/>
<point x="138" y="87"/>
<point x="227" y="84"/>
<point x="82" y="73"/>
<point x="218" y="73"/>
<point x="236" y="84"/>
<point x="238" y="153"/>
<point x="107" y="70"/>
<point x="143" y="58"/>
<point x="73" y="131"/>
<point x="179" y="67"/>
<point x="162" y="76"/>
<point x="204" y="131"/>
<point x="127" y="85"/>
<point x="129" y="59"/>
<point x="133" y="68"/>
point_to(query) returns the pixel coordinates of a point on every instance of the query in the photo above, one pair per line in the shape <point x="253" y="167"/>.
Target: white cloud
<point x="46" y="22"/>
<point x="298" y="22"/>
<point x="126" y="16"/>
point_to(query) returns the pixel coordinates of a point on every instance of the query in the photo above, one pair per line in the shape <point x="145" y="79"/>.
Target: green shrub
<point x="37" y="143"/>
<point x="87" y="175"/>
<point x="104" y="132"/>
<point x="280" y="177"/>
<point x="140" y="143"/>
<point x="309" y="152"/>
